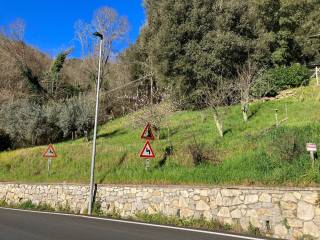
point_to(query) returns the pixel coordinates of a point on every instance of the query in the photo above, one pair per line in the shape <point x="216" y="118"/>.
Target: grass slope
<point x="250" y="153"/>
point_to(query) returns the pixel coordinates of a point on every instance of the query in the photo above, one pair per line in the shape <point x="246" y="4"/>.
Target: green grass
<point x="250" y="153"/>
<point x="213" y="225"/>
<point x="201" y="223"/>
<point x="28" y="205"/>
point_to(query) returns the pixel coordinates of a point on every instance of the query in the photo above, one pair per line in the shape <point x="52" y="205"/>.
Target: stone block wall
<point x="288" y="213"/>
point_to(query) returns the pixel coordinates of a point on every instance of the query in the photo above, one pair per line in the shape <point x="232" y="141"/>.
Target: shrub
<point x="27" y="205"/>
<point x="85" y="118"/>
<point x="156" y="115"/>
<point x="287" y="146"/>
<point x="28" y="123"/>
<point x="24" y="122"/>
<point x="97" y="208"/>
<point x="255" y="231"/>
<point x="64" y="208"/>
<point x="281" y="78"/>
<point x="76" y="116"/>
<point x="201" y="223"/>
<point x="44" y="207"/>
<point x="3" y="203"/>
<point x="197" y="153"/>
<point x="195" y="100"/>
<point x="288" y="143"/>
<point x="5" y="142"/>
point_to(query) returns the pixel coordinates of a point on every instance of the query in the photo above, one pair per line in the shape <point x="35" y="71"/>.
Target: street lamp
<point x="100" y="36"/>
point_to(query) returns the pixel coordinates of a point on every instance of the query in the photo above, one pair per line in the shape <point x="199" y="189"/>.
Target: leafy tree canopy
<point x="191" y="44"/>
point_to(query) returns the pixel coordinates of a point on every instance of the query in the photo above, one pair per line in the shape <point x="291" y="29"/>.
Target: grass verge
<point x="250" y="153"/>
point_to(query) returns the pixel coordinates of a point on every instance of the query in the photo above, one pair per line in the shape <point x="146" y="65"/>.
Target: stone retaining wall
<point x="289" y="213"/>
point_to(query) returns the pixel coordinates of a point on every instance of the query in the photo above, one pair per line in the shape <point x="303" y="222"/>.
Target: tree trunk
<point x="52" y="86"/>
<point x="245" y="109"/>
<point x="158" y="133"/>
<point x="86" y="136"/>
<point x="218" y="123"/>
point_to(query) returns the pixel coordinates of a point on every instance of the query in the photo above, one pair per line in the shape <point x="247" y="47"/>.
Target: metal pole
<point x="147" y="164"/>
<point x="317" y="77"/>
<point x="49" y="166"/>
<point x="95" y="134"/>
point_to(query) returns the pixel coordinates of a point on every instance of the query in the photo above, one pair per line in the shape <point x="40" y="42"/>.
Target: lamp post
<point x="100" y="36"/>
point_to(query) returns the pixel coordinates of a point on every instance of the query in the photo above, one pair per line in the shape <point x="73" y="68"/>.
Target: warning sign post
<point x="49" y="154"/>
<point x="147" y="132"/>
<point x="147" y="153"/>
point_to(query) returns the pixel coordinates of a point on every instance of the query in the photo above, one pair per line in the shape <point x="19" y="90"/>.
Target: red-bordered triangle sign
<point x="147" y="133"/>
<point x="147" y="151"/>
<point x="50" y="152"/>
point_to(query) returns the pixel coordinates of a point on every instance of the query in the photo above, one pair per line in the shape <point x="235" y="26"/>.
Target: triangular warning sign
<point x="50" y="153"/>
<point x="147" y="151"/>
<point x="147" y="133"/>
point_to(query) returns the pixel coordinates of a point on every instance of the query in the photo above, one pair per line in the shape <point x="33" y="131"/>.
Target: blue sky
<point x="50" y="23"/>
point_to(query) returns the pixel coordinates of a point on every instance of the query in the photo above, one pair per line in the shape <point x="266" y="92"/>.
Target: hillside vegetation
<point x="255" y="152"/>
<point x="199" y="64"/>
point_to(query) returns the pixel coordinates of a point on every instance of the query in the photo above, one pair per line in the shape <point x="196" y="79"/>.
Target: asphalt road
<point x="20" y="225"/>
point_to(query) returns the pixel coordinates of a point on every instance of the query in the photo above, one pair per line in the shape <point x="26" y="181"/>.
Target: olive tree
<point x="217" y="99"/>
<point x="248" y="76"/>
<point x="76" y="116"/>
<point x="25" y="123"/>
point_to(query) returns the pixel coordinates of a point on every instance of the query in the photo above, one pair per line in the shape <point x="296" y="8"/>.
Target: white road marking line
<point x="136" y="223"/>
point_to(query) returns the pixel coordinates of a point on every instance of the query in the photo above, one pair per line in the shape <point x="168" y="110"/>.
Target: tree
<point x="247" y="77"/>
<point x="76" y="116"/>
<point x="113" y="28"/>
<point x="140" y="68"/>
<point x="29" y="123"/>
<point x="191" y="44"/>
<point x="55" y="72"/>
<point x="310" y="48"/>
<point x="125" y="92"/>
<point x="218" y="99"/>
<point x="157" y="115"/>
<point x="28" y="61"/>
<point x="85" y="118"/>
<point x="25" y="123"/>
<point x="194" y="43"/>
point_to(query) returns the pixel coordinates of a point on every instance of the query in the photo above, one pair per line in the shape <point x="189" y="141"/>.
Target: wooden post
<point x="286" y="112"/>
<point x="276" y="115"/>
<point x="312" y="148"/>
<point x="312" y="158"/>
